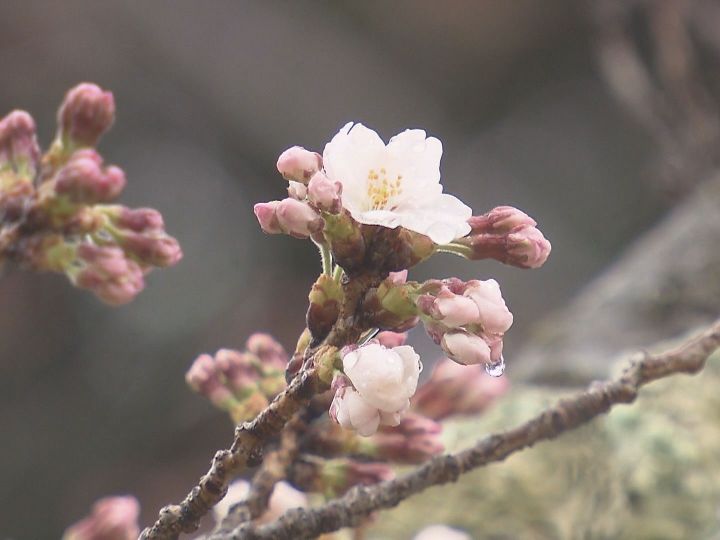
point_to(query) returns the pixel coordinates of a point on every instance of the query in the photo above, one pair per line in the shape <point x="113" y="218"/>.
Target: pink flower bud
<point x="397" y="278"/>
<point x="18" y="143"/>
<point x="139" y="219"/>
<point x="299" y="164"/>
<point x="500" y="220"/>
<point x="494" y="315"/>
<point x="296" y="190"/>
<point x="268" y="350"/>
<point x="106" y="272"/>
<point x="441" y="532"/>
<point x="455" y="389"/>
<point x="84" y="180"/>
<point x="86" y="113"/>
<point x="154" y="248"/>
<point x="297" y="218"/>
<point x="453" y="310"/>
<point x="266" y="214"/>
<point x="324" y="193"/>
<point x="414" y="440"/>
<point x="391" y="339"/>
<point x="204" y="378"/>
<point x="238" y="369"/>
<point x="112" y="518"/>
<point x="528" y="248"/>
<point x="466" y="349"/>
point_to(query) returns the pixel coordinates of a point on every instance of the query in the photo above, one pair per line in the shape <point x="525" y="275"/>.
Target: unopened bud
<point x="86" y="113"/>
<point x="297" y="218"/>
<point x="139" y="219"/>
<point x="493" y="314"/>
<point x="239" y="371"/>
<point x="414" y="440"/>
<point x="466" y="349"/>
<point x="270" y="352"/>
<point x="500" y="220"/>
<point x="453" y="310"/>
<point x="84" y="180"/>
<point x="299" y="164"/>
<point x="204" y="378"/>
<point x="154" y="248"/>
<point x="391" y="339"/>
<point x="106" y="272"/>
<point x="324" y="193"/>
<point x="325" y="298"/>
<point x="112" y="518"/>
<point x="528" y="248"/>
<point x="18" y="143"/>
<point x="266" y="214"/>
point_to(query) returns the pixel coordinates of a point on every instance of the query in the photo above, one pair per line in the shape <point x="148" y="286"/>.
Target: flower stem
<point x="338" y="273"/>
<point x="326" y="258"/>
<point x="455" y="249"/>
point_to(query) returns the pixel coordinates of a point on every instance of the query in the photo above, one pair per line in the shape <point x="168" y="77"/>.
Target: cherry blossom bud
<point x="397" y="278"/>
<point x="18" y="143"/>
<point x="240" y="371"/>
<point x="324" y="193"/>
<point x="270" y="352"/>
<point x="86" y="113"/>
<point x="455" y="389"/>
<point x="151" y="248"/>
<point x="453" y="310"/>
<point x="296" y="190"/>
<point x="106" y="272"/>
<point x="325" y="298"/>
<point x="528" y="248"/>
<point x="84" y="180"/>
<point x="494" y="315"/>
<point x="391" y="339"/>
<point x="204" y="378"/>
<point x="112" y="518"/>
<point x="466" y="349"/>
<point x="346" y="241"/>
<point x="138" y="219"/>
<point x="441" y="532"/>
<point x="500" y="220"/>
<point x="266" y="214"/>
<point x="390" y="306"/>
<point x="297" y="218"/>
<point x="299" y="164"/>
<point x="414" y="440"/>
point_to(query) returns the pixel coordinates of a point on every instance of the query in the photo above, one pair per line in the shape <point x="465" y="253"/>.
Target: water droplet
<point x="420" y="366"/>
<point x="496" y="369"/>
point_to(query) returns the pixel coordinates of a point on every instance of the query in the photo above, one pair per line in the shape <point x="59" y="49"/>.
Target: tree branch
<point x="568" y="414"/>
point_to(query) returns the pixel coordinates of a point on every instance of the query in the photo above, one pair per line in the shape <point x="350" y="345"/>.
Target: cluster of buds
<point x="508" y="235"/>
<point x="112" y="518"/>
<point x="55" y="212"/>
<point x="467" y="319"/>
<point x="241" y="383"/>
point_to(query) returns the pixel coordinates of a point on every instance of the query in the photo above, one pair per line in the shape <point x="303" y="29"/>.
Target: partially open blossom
<point x="112" y="518"/>
<point x="298" y="164"/>
<point x="465" y="348"/>
<point x="494" y="316"/>
<point x="395" y="185"/>
<point x="441" y="532"/>
<point x="528" y="247"/>
<point x="86" y="113"/>
<point x="383" y="380"/>
<point x="324" y="193"/>
<point x="414" y="440"/>
<point x="284" y="497"/>
<point x="456" y="389"/>
<point x="204" y="377"/>
<point x="84" y="180"/>
<point x="107" y="272"/>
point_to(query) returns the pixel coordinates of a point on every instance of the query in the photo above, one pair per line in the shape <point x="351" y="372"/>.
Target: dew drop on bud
<point x="496" y="369"/>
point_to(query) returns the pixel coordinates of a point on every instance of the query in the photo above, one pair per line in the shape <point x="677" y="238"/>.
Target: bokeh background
<point x="93" y="399"/>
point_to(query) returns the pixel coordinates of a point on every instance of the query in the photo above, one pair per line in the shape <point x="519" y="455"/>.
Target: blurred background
<point x="536" y="107"/>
